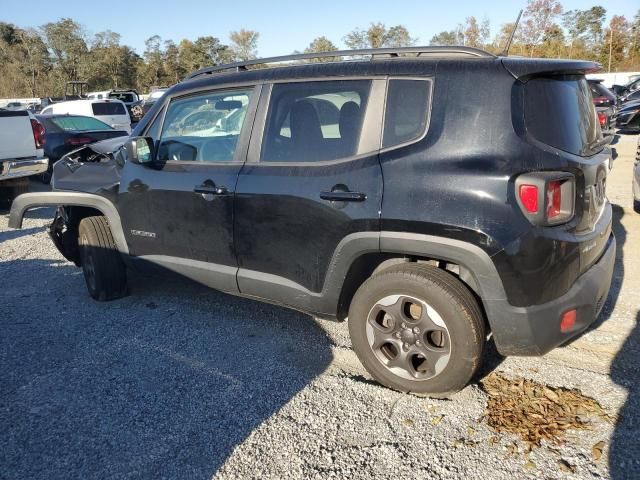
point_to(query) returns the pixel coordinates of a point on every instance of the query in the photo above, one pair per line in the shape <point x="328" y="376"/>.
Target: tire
<point x="45" y="177"/>
<point x="104" y="271"/>
<point x="14" y="188"/>
<point x="20" y="188"/>
<point x="402" y="348"/>
<point x="636" y="206"/>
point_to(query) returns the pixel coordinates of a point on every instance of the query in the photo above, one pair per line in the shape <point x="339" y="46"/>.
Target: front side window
<point x="204" y="128"/>
<point x="407" y="111"/>
<point x="315" y="121"/>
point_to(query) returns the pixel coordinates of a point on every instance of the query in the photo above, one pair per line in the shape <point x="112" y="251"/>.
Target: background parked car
<point x="128" y="97"/>
<point x="630" y="97"/>
<point x="628" y="118"/>
<point x="602" y="96"/>
<point x="140" y="109"/>
<point x="607" y="120"/>
<point x="111" y="112"/>
<point x="631" y="86"/>
<point x="64" y="133"/>
<point x="21" y="152"/>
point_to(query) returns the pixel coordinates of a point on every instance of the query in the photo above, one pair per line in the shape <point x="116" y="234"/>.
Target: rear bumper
<point x="22" y="167"/>
<point x="535" y="330"/>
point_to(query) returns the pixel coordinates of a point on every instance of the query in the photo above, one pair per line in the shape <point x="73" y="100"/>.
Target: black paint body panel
<point x="449" y="195"/>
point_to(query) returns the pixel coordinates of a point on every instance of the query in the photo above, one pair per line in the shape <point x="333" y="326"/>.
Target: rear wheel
<point x="418" y="329"/>
<point x="104" y="271"/>
<point x="636" y="206"/>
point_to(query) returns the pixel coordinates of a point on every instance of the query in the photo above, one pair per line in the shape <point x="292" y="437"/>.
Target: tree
<point x="634" y="36"/>
<point x="616" y="42"/>
<point x="538" y="18"/>
<point x="66" y="41"/>
<point x="171" y="59"/>
<point x="111" y="62"/>
<point x="35" y="59"/>
<point x="475" y="34"/>
<point x="321" y="44"/>
<point x="377" y="36"/>
<point x="151" y="72"/>
<point x="244" y="44"/>
<point x="446" y="38"/>
<point x="8" y="33"/>
<point x="584" y="28"/>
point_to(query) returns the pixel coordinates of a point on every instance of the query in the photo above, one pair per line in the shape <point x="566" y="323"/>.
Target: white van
<point x="111" y="112"/>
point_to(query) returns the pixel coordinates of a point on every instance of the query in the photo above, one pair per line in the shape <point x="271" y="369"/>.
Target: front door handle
<point x="210" y="189"/>
<point x="340" y="196"/>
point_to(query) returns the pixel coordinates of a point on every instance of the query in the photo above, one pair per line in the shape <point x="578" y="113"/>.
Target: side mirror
<point x="140" y="150"/>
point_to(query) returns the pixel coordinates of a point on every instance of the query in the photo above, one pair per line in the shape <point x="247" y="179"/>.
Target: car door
<point x="178" y="212"/>
<point x="313" y="177"/>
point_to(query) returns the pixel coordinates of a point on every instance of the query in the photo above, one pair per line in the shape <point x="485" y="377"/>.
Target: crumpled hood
<point x="92" y="169"/>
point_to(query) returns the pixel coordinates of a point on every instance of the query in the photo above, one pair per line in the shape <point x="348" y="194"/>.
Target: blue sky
<point x="283" y="26"/>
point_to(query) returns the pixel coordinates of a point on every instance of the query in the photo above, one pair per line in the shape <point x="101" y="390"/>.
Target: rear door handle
<point x="208" y="189"/>
<point x="339" y="196"/>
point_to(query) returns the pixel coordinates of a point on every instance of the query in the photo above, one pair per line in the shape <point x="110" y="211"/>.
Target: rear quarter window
<point x="559" y="112"/>
<point x="407" y="111"/>
<point x="108" y="108"/>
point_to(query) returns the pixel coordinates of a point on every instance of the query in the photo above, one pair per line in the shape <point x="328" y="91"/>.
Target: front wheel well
<point x="64" y="229"/>
<point x="369" y="264"/>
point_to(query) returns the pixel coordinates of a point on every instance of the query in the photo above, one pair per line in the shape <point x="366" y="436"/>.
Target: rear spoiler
<point x="522" y="68"/>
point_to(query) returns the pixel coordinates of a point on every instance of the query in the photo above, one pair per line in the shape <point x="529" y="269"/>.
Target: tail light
<point x="38" y="133"/>
<point x="602" y="118"/>
<point x="76" y="141"/>
<point x="546" y="198"/>
<point x="600" y="100"/>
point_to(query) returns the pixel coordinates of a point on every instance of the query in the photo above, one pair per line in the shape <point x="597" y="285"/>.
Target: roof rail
<point x="371" y="52"/>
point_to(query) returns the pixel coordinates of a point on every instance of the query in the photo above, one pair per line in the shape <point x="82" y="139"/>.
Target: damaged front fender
<point x="28" y="201"/>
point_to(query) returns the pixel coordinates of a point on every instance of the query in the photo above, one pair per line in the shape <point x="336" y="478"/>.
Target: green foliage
<point x="244" y="45"/>
<point x="38" y="62"/>
<point x="378" y="36"/>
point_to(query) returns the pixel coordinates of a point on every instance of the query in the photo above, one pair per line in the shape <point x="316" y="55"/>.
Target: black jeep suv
<point x="430" y="195"/>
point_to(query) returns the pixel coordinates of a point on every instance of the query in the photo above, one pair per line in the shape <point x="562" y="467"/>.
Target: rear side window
<point x="559" y="111"/>
<point x="407" y="111"/>
<point x="315" y="121"/>
<point x="108" y="108"/>
<point x="69" y="123"/>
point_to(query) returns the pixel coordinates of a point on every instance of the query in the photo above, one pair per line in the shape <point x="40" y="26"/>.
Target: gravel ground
<point x="177" y="381"/>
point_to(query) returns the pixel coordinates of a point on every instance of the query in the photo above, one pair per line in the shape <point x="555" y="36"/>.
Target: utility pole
<point x="610" y="47"/>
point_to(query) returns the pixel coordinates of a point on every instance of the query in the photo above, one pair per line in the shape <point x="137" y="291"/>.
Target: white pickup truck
<point x="22" y="140"/>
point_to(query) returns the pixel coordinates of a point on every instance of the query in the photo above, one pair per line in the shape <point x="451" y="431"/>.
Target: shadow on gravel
<point x="624" y="452"/>
<point x="618" y="272"/>
<point x="25" y="232"/>
<point x="162" y="384"/>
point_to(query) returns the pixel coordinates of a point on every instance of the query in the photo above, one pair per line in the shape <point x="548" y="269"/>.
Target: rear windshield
<point x="599" y="90"/>
<point x="123" y="97"/>
<point x="559" y="111"/>
<point x="108" y="108"/>
<point x="79" y="124"/>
